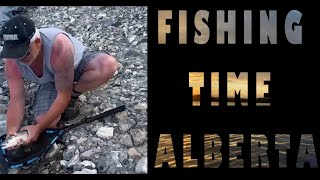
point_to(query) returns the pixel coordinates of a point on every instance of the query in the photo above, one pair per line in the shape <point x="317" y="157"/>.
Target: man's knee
<point x="108" y="65"/>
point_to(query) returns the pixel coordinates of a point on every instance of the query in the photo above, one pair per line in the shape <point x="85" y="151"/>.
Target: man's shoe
<point x="72" y="110"/>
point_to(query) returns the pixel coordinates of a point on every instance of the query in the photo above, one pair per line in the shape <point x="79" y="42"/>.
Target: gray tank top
<point x="48" y="36"/>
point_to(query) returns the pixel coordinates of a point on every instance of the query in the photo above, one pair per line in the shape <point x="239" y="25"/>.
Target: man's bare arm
<point x="63" y="67"/>
<point x="16" y="107"/>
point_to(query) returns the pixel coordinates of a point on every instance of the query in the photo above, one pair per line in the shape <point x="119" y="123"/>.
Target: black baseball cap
<point x="16" y="35"/>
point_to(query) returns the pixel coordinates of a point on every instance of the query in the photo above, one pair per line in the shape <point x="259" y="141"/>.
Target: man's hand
<point x="11" y="132"/>
<point x="34" y="132"/>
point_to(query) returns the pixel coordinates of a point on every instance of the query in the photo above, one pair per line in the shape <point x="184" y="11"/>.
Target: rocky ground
<point x="117" y="144"/>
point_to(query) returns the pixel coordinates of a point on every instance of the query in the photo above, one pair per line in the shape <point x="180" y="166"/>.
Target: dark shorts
<point x="47" y="93"/>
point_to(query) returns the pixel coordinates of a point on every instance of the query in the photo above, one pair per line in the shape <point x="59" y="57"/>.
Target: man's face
<point x="31" y="54"/>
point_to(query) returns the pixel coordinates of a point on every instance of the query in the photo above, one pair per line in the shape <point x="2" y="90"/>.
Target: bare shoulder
<point x="12" y="70"/>
<point x="62" y="52"/>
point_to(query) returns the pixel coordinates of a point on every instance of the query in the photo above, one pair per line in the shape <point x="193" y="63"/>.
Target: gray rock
<point x="127" y="72"/>
<point x="116" y="91"/>
<point x="85" y="164"/>
<point x="133" y="154"/>
<point x="131" y="38"/>
<point x="63" y="163"/>
<point x="95" y="139"/>
<point x="141" y="106"/>
<point x="115" y="158"/>
<point x="33" y="85"/>
<point x="93" y="100"/>
<point x="101" y="15"/>
<point x="112" y="170"/>
<point x="109" y="143"/>
<point x="132" y="53"/>
<point x="3" y="118"/>
<point x="126" y="124"/>
<point x="72" y="9"/>
<point x="126" y="140"/>
<point x="13" y="171"/>
<point x="112" y="159"/>
<point x="103" y="107"/>
<point x="3" y="130"/>
<point x="142" y="166"/>
<point x="121" y="115"/>
<point x="75" y="159"/>
<point x="138" y="136"/>
<point x="96" y="110"/>
<point x="117" y="82"/>
<point x="3" y="127"/>
<point x="73" y="138"/>
<point x="143" y="89"/>
<point x="69" y="153"/>
<point x="86" y="110"/>
<point x="81" y="149"/>
<point x="81" y="140"/>
<point x="3" y="98"/>
<point x="97" y="126"/>
<point x="102" y="164"/>
<point x="46" y="171"/>
<point x="93" y="37"/>
<point x="87" y="154"/>
<point x="86" y="171"/>
<point x="82" y="98"/>
<point x="105" y="132"/>
<point x="135" y="43"/>
<point x="2" y="75"/>
<point x="123" y="156"/>
<point x="5" y="84"/>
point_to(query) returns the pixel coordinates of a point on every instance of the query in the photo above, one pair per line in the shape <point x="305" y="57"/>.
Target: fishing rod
<point x="19" y="158"/>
